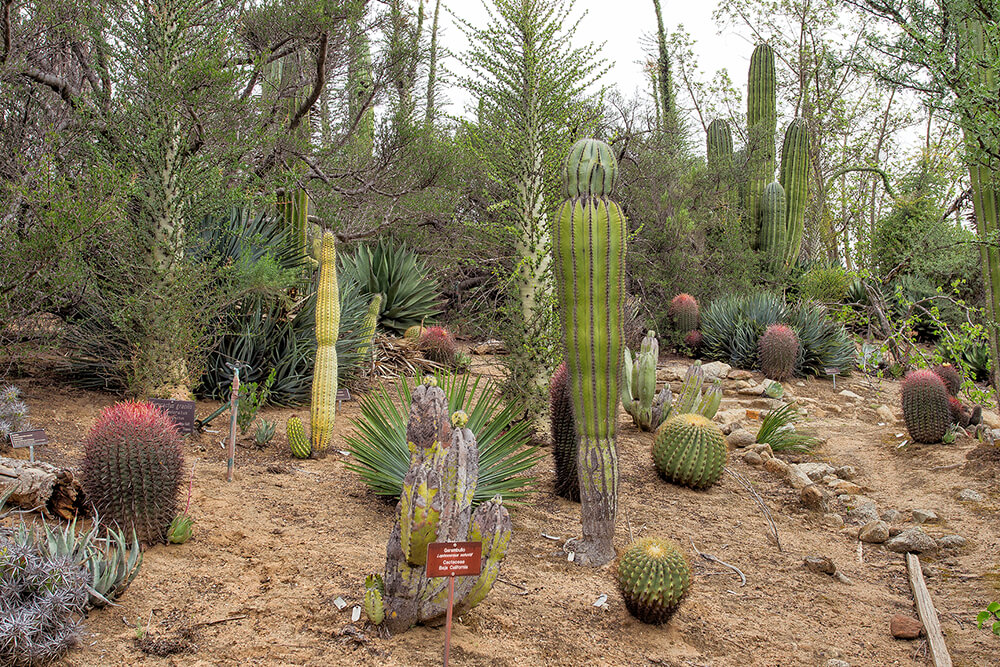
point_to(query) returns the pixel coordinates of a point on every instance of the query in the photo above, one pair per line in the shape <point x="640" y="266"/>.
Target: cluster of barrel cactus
<point x="778" y="350"/>
<point x="653" y="576"/>
<point x="690" y="450"/>
<point x="961" y="415"/>
<point x="436" y="506"/>
<point x="132" y="468"/>
<point x="650" y="409"/>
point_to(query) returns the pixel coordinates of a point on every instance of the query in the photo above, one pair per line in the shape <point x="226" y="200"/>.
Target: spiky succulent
<point x="564" y="444"/>
<point x="693" y="339"/>
<point x="925" y="406"/>
<point x="690" y="450"/>
<point x="180" y="529"/>
<point x="684" y="312"/>
<point x="653" y="576"/>
<point x="438" y="345"/>
<point x="132" y="468"/>
<point x="779" y="350"/>
<point x="13" y="412"/>
<point x="950" y="376"/>
<point x="297" y="440"/>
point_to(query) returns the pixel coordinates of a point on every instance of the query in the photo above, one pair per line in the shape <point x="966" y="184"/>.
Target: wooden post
<point x="234" y="405"/>
<point x="925" y="610"/>
<point x="447" y="627"/>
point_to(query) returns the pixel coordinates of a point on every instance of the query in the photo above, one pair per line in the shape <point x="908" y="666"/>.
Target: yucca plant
<point x="382" y="457"/>
<point x="777" y="429"/>
<point x="395" y="272"/>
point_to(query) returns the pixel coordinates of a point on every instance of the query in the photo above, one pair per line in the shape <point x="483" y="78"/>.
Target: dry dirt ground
<point x="275" y="548"/>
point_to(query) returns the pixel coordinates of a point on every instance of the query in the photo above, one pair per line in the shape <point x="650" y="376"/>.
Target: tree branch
<point x="324" y="40"/>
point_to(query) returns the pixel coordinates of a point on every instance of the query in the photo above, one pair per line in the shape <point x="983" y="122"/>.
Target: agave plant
<point x="777" y="429"/>
<point x="382" y="457"/>
<point x="395" y="272"/>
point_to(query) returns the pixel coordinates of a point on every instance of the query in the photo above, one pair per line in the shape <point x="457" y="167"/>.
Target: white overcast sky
<point x="627" y="28"/>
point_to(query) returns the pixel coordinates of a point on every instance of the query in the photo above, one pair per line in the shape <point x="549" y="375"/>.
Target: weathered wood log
<point x="55" y="491"/>
<point x="928" y="616"/>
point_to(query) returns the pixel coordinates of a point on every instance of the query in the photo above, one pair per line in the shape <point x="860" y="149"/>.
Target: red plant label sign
<point x="454" y="559"/>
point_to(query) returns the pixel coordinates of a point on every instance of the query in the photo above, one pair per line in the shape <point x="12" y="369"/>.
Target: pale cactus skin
<point x="324" y="386"/>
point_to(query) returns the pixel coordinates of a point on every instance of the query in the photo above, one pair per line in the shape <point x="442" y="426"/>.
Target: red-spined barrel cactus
<point x="564" y="449"/>
<point x="653" y="576"/>
<point x="950" y="376"/>
<point x="694" y="340"/>
<point x="778" y="349"/>
<point x="684" y="312"/>
<point x="133" y="466"/>
<point x="925" y="406"/>
<point x="438" y="345"/>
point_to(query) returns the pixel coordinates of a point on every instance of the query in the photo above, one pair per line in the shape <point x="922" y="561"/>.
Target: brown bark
<point x="55" y="491"/>
<point x="598" y="470"/>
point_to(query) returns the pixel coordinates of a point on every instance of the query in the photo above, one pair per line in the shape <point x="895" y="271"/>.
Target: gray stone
<point x="885" y="414"/>
<point x="924" y="516"/>
<point x="833" y="662"/>
<point x="816" y="470"/>
<point x="951" y="542"/>
<point x="776" y="466"/>
<point x="847" y="393"/>
<point x="863" y="513"/>
<point x="875" y="532"/>
<point x="912" y="540"/>
<point x="969" y="496"/>
<point x="991" y="419"/>
<point x="842" y="578"/>
<point x="819" y="564"/>
<point x="892" y="516"/>
<point x="833" y="520"/>
<point x="752" y="390"/>
<point x="716" y="370"/>
<point x="740" y="438"/>
<point x="846" y="472"/>
<point x="739" y="374"/>
<point x="813" y="497"/>
<point x="764" y="450"/>
<point x="797" y="478"/>
<point x="752" y="458"/>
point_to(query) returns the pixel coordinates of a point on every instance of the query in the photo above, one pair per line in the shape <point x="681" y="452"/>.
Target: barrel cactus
<point x="653" y="576"/>
<point x="950" y="376"/>
<point x="589" y="236"/>
<point x="438" y="345"/>
<point x="324" y="385"/>
<point x="414" y="333"/>
<point x="436" y="506"/>
<point x="297" y="440"/>
<point x="690" y="450"/>
<point x="925" y="406"/>
<point x="693" y="340"/>
<point x="684" y="312"/>
<point x="778" y="349"/>
<point x="564" y="449"/>
<point x="133" y="466"/>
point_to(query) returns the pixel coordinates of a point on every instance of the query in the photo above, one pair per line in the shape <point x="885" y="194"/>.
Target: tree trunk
<point x="54" y="491"/>
<point x="598" y="469"/>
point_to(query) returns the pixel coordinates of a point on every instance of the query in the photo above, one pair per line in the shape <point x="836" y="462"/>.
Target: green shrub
<point x="825" y="285"/>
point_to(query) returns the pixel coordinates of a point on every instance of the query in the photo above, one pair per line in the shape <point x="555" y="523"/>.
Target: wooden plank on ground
<point x="928" y="616"/>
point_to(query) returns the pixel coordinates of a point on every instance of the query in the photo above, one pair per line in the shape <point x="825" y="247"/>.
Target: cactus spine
<point x="719" y="144"/>
<point x="589" y="254"/>
<point x="436" y="506"/>
<point x="684" y="312"/>
<point x="778" y="350"/>
<point x="564" y="447"/>
<point x="762" y="121"/>
<point x="794" y="178"/>
<point x="925" y="406"/>
<point x="772" y="226"/>
<point x="324" y="386"/>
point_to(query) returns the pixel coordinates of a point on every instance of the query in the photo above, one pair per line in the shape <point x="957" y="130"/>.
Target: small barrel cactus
<point x="925" y="406"/>
<point x="693" y="339"/>
<point x="950" y="376"/>
<point x="778" y="349"/>
<point x="653" y="576"/>
<point x="414" y="333"/>
<point x="564" y="448"/>
<point x="133" y="466"/>
<point x="297" y="440"/>
<point x="690" y="450"/>
<point x="684" y="312"/>
<point x="438" y="345"/>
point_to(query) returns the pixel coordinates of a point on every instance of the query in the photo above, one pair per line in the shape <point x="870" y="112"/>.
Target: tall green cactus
<point x="794" y="178"/>
<point x="762" y="122"/>
<point x="435" y="506"/>
<point x="324" y="385"/>
<point x="773" y="234"/>
<point x="589" y="252"/>
<point x="719" y="147"/>
<point x="638" y="385"/>
<point x="368" y="326"/>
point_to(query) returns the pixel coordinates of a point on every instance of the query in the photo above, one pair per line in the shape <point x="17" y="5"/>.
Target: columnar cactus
<point x="638" y="386"/>
<point x="690" y="450"/>
<point x="133" y="467"/>
<point x="762" y="121"/>
<point x="778" y="350"/>
<point x="684" y="312"/>
<point x="369" y="324"/>
<point x="773" y="238"/>
<point x="719" y="144"/>
<point x="925" y="406"/>
<point x="653" y="576"/>
<point x="297" y="441"/>
<point x="564" y="449"/>
<point x="794" y="179"/>
<point x="589" y="256"/>
<point x="950" y="376"/>
<point x="324" y="386"/>
<point x="436" y="506"/>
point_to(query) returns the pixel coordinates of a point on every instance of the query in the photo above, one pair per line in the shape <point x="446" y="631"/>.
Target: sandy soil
<point x="273" y="549"/>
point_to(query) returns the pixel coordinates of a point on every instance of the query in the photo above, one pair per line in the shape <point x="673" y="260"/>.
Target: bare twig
<point x="745" y="483"/>
<point x="710" y="557"/>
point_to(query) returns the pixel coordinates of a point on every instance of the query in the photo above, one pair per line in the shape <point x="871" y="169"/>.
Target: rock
<point x="924" y="516"/>
<point x="895" y="530"/>
<point x="847" y="393"/>
<point x="740" y="438"/>
<point x="863" y="513"/>
<point x="742" y="384"/>
<point x="892" y="516"/>
<point x="813" y="497"/>
<point x="716" y="370"/>
<point x="851" y="532"/>
<point x="969" y="496"/>
<point x="739" y="374"/>
<point x="776" y="467"/>
<point x="797" y="478"/>
<point x="905" y="627"/>
<point x="951" y="542"/>
<point x="835" y="409"/>
<point x="764" y="450"/>
<point x="845" y="487"/>
<point x="842" y="578"/>
<point x="492" y="346"/>
<point x="833" y="520"/>
<point x="752" y="390"/>
<point x="752" y="458"/>
<point x="731" y="416"/>
<point x="912" y="540"/>
<point x="819" y="564"/>
<point x="816" y="470"/>
<point x="991" y="419"/>
<point x="834" y="662"/>
<point x="875" y="532"/>
<point x="846" y="472"/>
<point x="885" y="414"/>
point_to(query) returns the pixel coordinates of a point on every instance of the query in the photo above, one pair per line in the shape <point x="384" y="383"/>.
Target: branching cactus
<point x="436" y="506"/>
<point x="324" y="386"/>
<point x="638" y="386"/>
<point x="773" y="235"/>
<point x="691" y="399"/>
<point x="719" y="144"/>
<point x="762" y="121"/>
<point x="589" y="256"/>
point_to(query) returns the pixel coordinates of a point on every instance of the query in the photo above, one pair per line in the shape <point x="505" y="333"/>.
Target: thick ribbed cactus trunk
<point x="719" y="147"/>
<point x="773" y="235"/>
<point x="794" y="178"/>
<point x="762" y="122"/>
<point x="324" y="386"/>
<point x="589" y="243"/>
<point x="294" y="209"/>
<point x="369" y="325"/>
